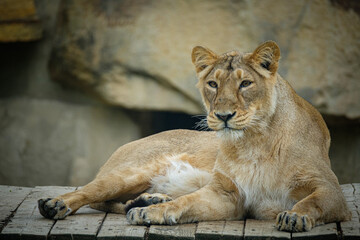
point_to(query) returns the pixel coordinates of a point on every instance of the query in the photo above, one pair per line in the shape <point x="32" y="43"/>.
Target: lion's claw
<point x="293" y="222"/>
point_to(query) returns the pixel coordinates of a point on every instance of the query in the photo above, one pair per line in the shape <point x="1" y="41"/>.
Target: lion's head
<point x="238" y="88"/>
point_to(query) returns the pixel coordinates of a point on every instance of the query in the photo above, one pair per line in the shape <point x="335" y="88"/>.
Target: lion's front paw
<point x="53" y="208"/>
<point x="154" y="198"/>
<point x="294" y="222"/>
<point x="154" y="214"/>
<point x="147" y="199"/>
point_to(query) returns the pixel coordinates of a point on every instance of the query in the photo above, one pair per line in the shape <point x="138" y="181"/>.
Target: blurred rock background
<point x="80" y="78"/>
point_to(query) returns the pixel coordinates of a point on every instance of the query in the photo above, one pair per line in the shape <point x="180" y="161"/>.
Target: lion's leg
<point x="129" y="181"/>
<point x="109" y="206"/>
<point x="219" y="200"/>
<point x="325" y="204"/>
<point x="144" y="200"/>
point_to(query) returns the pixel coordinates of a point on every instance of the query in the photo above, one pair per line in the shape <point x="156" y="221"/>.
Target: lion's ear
<point x="265" y="58"/>
<point x="202" y="57"/>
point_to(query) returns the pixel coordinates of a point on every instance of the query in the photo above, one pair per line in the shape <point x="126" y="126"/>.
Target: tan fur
<point x="268" y="157"/>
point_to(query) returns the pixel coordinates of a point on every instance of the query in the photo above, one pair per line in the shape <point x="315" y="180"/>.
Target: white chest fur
<point x="179" y="179"/>
<point x="266" y="194"/>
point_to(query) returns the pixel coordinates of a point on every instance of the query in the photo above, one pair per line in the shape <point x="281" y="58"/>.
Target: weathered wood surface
<point x="11" y="198"/>
<point x="325" y="232"/>
<point x="210" y="230"/>
<point x="220" y="230"/>
<point x="116" y="226"/>
<point x="20" y="219"/>
<point x="27" y="221"/>
<point x="233" y="230"/>
<point x="351" y="229"/>
<point x="181" y="231"/>
<point x="263" y="228"/>
<point x="83" y="225"/>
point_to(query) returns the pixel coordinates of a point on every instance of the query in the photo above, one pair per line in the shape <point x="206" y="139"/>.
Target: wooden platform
<point x="20" y="219"/>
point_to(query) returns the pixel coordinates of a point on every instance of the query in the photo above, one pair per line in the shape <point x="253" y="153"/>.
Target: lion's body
<point x="267" y="159"/>
<point x="153" y="156"/>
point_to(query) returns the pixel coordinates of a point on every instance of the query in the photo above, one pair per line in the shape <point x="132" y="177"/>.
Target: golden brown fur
<point x="268" y="157"/>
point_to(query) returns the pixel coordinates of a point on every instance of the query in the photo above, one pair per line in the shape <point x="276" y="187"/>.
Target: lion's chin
<point x="230" y="134"/>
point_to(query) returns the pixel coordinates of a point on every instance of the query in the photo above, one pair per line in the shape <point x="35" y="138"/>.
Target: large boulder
<point x="136" y="53"/>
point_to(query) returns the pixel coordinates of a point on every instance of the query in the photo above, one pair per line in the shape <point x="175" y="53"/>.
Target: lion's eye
<point x="245" y="83"/>
<point x="213" y="84"/>
<point x="203" y="67"/>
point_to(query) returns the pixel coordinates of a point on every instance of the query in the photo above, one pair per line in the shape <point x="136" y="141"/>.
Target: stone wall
<point x="19" y="21"/>
<point x="128" y="52"/>
<point x="104" y="70"/>
<point x="50" y="135"/>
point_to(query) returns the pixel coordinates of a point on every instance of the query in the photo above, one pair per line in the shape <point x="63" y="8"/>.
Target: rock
<point x="50" y="135"/>
<point x="136" y="54"/>
<point x="20" y="32"/>
<point x="47" y="142"/>
<point x="17" y="10"/>
<point x="19" y="21"/>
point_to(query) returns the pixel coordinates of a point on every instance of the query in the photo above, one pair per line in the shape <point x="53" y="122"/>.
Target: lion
<point x="266" y="158"/>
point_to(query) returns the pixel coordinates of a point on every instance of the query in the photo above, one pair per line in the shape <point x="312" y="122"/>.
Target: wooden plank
<point x="27" y="222"/>
<point x="351" y="229"/>
<point x="115" y="226"/>
<point x="322" y="232"/>
<point x="348" y="191"/>
<point x="356" y="187"/>
<point x="263" y="229"/>
<point x="180" y="232"/>
<point x="82" y="225"/>
<point x="11" y="198"/>
<point x="210" y="230"/>
<point x="233" y="230"/>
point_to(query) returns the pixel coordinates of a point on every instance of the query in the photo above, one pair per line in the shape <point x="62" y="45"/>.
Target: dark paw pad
<point x="53" y="209"/>
<point x="147" y="199"/>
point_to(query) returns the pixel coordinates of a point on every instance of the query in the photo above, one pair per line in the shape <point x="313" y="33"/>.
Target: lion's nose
<point x="225" y="117"/>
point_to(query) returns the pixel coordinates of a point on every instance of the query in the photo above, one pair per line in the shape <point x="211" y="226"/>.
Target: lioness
<point x="266" y="159"/>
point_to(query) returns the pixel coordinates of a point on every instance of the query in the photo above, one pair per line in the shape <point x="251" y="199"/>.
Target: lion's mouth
<point x="238" y="124"/>
<point x="233" y="129"/>
<point x="228" y="127"/>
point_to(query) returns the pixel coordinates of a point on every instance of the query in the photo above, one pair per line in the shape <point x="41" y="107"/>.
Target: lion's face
<point x="238" y="89"/>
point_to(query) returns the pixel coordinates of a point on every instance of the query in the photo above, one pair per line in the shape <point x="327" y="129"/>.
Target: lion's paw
<point x="155" y="198"/>
<point x="53" y="208"/>
<point x="152" y="215"/>
<point x="293" y="222"/>
<point x="147" y="199"/>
